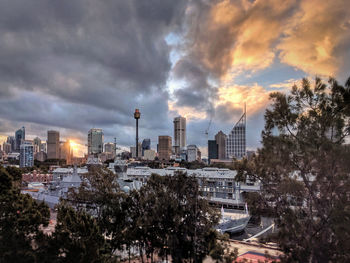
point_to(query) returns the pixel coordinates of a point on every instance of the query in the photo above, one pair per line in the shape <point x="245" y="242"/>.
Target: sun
<point x="73" y="145"/>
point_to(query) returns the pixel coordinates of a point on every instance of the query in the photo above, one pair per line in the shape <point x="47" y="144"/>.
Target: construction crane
<point x="207" y="130"/>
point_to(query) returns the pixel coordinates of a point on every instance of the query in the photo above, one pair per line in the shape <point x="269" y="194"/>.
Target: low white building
<point x="219" y="185"/>
<point x="60" y="173"/>
<point x="149" y="155"/>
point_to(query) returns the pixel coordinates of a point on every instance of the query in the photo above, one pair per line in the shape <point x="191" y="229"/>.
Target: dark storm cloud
<point x="99" y="59"/>
<point x="227" y="112"/>
<point x="197" y="93"/>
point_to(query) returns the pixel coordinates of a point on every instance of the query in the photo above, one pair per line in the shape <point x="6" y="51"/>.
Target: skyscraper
<point x="220" y="139"/>
<point x="6" y="147"/>
<point x="193" y="153"/>
<point x="236" y="140"/>
<point x="133" y="150"/>
<point x="179" y="133"/>
<point x="164" y="147"/>
<point x="212" y="150"/>
<point x="146" y="145"/>
<point x="11" y="140"/>
<point x="95" y="141"/>
<point x="37" y="144"/>
<point x="110" y="147"/>
<point x="53" y="145"/>
<point x="26" y="157"/>
<point x="20" y="136"/>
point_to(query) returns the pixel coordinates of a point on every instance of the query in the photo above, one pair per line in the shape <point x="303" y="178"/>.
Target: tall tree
<point x="20" y="220"/>
<point x="77" y="237"/>
<point x="100" y="196"/>
<point x="305" y="170"/>
<point x="177" y="220"/>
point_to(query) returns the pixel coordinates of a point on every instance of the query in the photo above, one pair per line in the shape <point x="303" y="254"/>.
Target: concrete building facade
<point x="37" y="144"/>
<point x="164" y="148"/>
<point x="133" y="150"/>
<point x="149" y="155"/>
<point x="179" y="134"/>
<point x="193" y="153"/>
<point x="40" y="156"/>
<point x="110" y="147"/>
<point x="26" y="157"/>
<point x="53" y="145"/>
<point x="6" y="147"/>
<point x="220" y="139"/>
<point x="95" y="141"/>
<point x="11" y="140"/>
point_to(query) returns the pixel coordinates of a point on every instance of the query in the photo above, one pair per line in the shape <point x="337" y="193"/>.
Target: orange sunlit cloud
<point x="316" y="35"/>
<point x="187" y="112"/>
<point x="255" y="97"/>
<point x="240" y="36"/>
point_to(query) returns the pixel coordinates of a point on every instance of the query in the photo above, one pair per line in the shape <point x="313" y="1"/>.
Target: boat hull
<point x="233" y="225"/>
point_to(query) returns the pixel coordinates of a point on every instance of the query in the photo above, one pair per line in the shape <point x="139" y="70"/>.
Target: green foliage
<point x="220" y="251"/>
<point x="304" y="168"/>
<point x="165" y="217"/>
<point x="20" y="221"/>
<point x="77" y="237"/>
<point x="100" y="195"/>
<point x="172" y="219"/>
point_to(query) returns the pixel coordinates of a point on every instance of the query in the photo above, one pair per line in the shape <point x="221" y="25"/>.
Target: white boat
<point x="233" y="222"/>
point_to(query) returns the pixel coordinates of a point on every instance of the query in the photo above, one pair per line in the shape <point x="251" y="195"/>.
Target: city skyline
<point x="67" y="68"/>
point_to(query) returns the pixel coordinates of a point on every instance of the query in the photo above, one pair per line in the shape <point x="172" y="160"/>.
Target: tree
<point x="165" y="217"/>
<point x="100" y="195"/>
<point x="176" y="220"/>
<point x="20" y="220"/>
<point x="77" y="237"/>
<point x="304" y="168"/>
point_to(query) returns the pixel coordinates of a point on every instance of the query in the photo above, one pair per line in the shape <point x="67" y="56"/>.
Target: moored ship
<point x="233" y="221"/>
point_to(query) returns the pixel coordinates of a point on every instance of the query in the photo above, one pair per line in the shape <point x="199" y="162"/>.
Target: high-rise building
<point x="53" y="145"/>
<point x="26" y="157"/>
<point x="149" y="155"/>
<point x="43" y="147"/>
<point x="110" y="147"/>
<point x="40" y="156"/>
<point x="193" y="153"/>
<point x="220" y="139"/>
<point x="212" y="150"/>
<point x="146" y="145"/>
<point x="236" y="140"/>
<point x="179" y="133"/>
<point x="133" y="150"/>
<point x="95" y="141"/>
<point x="36" y="144"/>
<point x="6" y="147"/>
<point x="11" y="140"/>
<point x="20" y="136"/>
<point x="66" y="152"/>
<point x="164" y="148"/>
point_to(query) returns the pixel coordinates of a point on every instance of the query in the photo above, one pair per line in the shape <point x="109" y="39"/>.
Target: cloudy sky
<point x="74" y="65"/>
